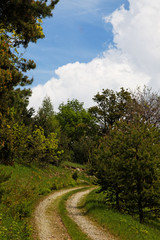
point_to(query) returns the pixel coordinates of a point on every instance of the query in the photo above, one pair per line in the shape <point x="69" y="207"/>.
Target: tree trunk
<point x="117" y="200"/>
<point x="140" y="211"/>
<point x="140" y="207"/>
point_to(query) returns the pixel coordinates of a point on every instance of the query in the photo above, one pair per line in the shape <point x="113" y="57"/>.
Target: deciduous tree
<point x="111" y="106"/>
<point x="79" y="127"/>
<point x="46" y="118"/>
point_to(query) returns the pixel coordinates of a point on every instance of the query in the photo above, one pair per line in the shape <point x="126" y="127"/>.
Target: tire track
<point x="47" y="226"/>
<point x="93" y="231"/>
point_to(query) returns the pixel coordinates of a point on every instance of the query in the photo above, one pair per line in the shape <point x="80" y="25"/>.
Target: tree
<point x="18" y="100"/>
<point x="13" y="102"/>
<point x="75" y="120"/>
<point x="13" y="134"/>
<point x="12" y="68"/>
<point x="20" y="23"/>
<point x="127" y="166"/>
<point x="46" y="118"/>
<point x="23" y="19"/>
<point x="76" y="124"/>
<point x="41" y="150"/>
<point x="145" y="104"/>
<point x="83" y="147"/>
<point x="111" y="106"/>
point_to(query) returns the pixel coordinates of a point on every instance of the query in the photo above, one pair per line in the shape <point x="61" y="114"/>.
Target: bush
<point x="75" y="176"/>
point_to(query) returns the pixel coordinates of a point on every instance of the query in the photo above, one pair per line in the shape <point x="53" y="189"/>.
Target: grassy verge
<point x="19" y="194"/>
<point x="73" y="229"/>
<point x="122" y="226"/>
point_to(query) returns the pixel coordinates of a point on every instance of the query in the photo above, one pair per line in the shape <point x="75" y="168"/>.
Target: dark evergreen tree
<point x="23" y="18"/>
<point x="20" y="23"/>
<point x="127" y="166"/>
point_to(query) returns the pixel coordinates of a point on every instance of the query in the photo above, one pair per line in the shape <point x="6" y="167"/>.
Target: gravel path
<point x="50" y="226"/>
<point x="87" y="226"/>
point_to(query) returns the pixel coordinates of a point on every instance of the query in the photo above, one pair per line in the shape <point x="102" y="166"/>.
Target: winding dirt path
<point x="50" y="226"/>
<point x="93" y="231"/>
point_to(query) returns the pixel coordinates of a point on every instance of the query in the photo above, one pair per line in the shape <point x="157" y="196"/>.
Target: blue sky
<point x="96" y="44"/>
<point x="76" y="32"/>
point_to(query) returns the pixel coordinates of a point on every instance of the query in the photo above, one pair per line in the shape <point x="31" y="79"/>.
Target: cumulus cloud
<point x="132" y="61"/>
<point x="137" y="34"/>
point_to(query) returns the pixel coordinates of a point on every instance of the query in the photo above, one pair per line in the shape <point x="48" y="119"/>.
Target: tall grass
<point x="123" y="226"/>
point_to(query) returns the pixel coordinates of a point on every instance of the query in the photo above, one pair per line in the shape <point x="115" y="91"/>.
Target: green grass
<point x="21" y="192"/>
<point x="123" y="226"/>
<point x="72" y="227"/>
<point x="83" y="178"/>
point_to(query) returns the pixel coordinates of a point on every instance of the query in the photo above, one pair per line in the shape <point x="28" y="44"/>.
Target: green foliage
<point x="79" y="130"/>
<point x="75" y="175"/>
<point x="20" y="23"/>
<point x="13" y="140"/>
<point x="126" y="161"/>
<point x="121" y="225"/>
<point x="46" y="118"/>
<point x="74" y="120"/>
<point x="127" y="166"/>
<point x="42" y="150"/>
<point x="111" y="106"/>
<point x="22" y="187"/>
<point x="12" y="229"/>
<point x="12" y="67"/>
<point x="6" y="138"/>
<point x="22" y="145"/>
<point x="23" y="19"/>
<point x="18" y="100"/>
<point x="82" y="148"/>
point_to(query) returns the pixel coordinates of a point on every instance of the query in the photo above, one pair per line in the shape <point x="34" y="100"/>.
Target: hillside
<point x="25" y="186"/>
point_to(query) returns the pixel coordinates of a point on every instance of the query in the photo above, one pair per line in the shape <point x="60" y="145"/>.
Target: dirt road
<point x="49" y="226"/>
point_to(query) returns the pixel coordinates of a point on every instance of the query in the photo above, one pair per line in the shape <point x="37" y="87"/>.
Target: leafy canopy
<point x="111" y="106"/>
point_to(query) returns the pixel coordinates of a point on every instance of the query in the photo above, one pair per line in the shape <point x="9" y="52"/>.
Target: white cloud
<point x="137" y="33"/>
<point x="134" y="62"/>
